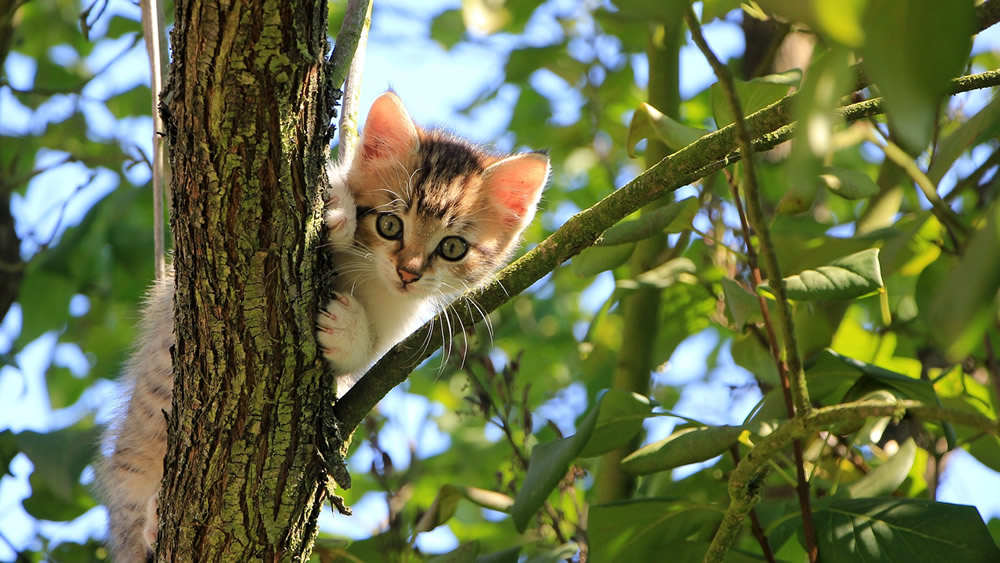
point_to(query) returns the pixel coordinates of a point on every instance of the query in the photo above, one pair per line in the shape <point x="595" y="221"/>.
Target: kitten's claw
<point x="343" y="334"/>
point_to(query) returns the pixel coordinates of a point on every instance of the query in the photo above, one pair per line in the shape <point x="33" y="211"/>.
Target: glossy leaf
<point x="886" y="478"/>
<point x="964" y="304"/>
<point x="639" y="530"/>
<point x="849" y="183"/>
<point x="754" y="95"/>
<point x="901" y="529"/>
<point x="849" y="277"/>
<point x="671" y="218"/>
<point x="596" y="259"/>
<point x="648" y="122"/>
<point x="688" y="445"/>
<point x="662" y="276"/>
<point x="619" y="419"/>
<point x="911" y="50"/>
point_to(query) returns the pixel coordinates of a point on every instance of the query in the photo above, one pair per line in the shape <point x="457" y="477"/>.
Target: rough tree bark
<point x="248" y="112"/>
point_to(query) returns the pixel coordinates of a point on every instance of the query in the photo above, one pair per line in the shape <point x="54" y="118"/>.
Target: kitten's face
<point x="437" y="215"/>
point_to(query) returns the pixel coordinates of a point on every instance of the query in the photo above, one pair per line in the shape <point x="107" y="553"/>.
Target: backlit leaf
<point x="902" y="529"/>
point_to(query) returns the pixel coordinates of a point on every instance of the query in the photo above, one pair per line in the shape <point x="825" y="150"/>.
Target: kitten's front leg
<point x="344" y="334"/>
<point x="340" y="213"/>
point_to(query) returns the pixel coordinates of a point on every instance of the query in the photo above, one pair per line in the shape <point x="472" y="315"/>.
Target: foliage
<point x="885" y="229"/>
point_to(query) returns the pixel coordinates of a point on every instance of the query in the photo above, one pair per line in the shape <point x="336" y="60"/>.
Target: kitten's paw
<point x="340" y="214"/>
<point x="344" y="334"/>
<point x="149" y="527"/>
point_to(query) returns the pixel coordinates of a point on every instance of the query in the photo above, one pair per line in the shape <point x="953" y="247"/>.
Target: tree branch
<point x="347" y="40"/>
<point x="746" y="481"/>
<point x="770" y="126"/>
<point x="352" y="94"/>
<point x="793" y="377"/>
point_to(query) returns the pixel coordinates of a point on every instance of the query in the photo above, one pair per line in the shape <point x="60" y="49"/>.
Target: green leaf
<point x="465" y="553"/>
<point x="685" y="446"/>
<point x="64" y="387"/>
<point x="44" y="300"/>
<point x="448" y="28"/>
<point x="962" y="138"/>
<point x="137" y="101"/>
<point x="548" y="465"/>
<point x="120" y="25"/>
<point x="906" y="387"/>
<point x="902" y="529"/>
<point x="510" y="555"/>
<point x="647" y="121"/>
<point x="743" y="305"/>
<point x="657" y="10"/>
<point x="753" y="355"/>
<point x="754" y="95"/>
<point x="446" y="504"/>
<point x="849" y="277"/>
<point x="911" y="50"/>
<point x="717" y="9"/>
<point x="48" y="504"/>
<point x="8" y="449"/>
<point x="816" y="108"/>
<point x="60" y="456"/>
<point x="965" y="303"/>
<point x="662" y="276"/>
<point x="886" y="478"/>
<point x="637" y="530"/>
<point x="619" y="419"/>
<point x="671" y="218"/>
<point x="849" y="183"/>
<point x="596" y="259"/>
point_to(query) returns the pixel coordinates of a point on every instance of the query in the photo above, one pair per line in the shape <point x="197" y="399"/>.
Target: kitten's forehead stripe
<point x="445" y="165"/>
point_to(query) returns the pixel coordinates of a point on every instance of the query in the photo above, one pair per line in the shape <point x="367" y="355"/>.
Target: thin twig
<point x="347" y="40"/>
<point x="352" y="94"/>
<point x="153" y="31"/>
<point x="758" y="530"/>
<point x="793" y="378"/>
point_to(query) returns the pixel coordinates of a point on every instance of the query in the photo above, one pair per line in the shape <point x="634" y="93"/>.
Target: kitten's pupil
<point x="389" y="226"/>
<point x="453" y="248"/>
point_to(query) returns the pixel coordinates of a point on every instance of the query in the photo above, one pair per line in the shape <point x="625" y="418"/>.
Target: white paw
<point x="149" y="527"/>
<point x="344" y="334"/>
<point x="340" y="213"/>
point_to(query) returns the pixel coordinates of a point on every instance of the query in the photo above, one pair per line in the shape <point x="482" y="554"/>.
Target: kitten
<point x="417" y="218"/>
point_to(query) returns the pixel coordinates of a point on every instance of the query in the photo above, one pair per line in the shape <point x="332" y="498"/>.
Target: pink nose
<point x="407" y="276"/>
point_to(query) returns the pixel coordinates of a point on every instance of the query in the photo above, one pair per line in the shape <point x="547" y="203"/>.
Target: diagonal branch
<point x="768" y="126"/>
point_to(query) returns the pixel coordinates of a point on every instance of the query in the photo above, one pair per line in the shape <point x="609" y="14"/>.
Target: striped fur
<point x="438" y="186"/>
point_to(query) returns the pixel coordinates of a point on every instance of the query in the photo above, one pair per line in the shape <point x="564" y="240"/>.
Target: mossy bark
<point x="247" y="114"/>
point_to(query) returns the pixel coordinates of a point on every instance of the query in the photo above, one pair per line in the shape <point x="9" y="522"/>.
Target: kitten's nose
<point x="407" y="276"/>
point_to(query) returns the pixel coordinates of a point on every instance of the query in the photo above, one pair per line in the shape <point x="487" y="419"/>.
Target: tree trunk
<point x="248" y="109"/>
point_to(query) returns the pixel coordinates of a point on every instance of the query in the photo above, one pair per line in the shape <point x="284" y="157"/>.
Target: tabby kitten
<point x="417" y="218"/>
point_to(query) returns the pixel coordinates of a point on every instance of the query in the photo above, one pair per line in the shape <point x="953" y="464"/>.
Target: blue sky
<point x="433" y="82"/>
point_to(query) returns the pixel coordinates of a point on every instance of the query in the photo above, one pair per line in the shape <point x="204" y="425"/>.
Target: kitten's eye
<point x="389" y="226"/>
<point x="453" y="248"/>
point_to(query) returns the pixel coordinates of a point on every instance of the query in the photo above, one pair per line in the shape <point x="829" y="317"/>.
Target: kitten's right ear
<point x="389" y="132"/>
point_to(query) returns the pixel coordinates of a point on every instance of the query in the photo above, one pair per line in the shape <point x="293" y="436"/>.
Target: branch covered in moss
<point x="745" y="481"/>
<point x="769" y="127"/>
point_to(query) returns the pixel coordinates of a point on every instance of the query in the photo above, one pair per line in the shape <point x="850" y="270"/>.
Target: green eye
<point x="389" y="226"/>
<point x="453" y="248"/>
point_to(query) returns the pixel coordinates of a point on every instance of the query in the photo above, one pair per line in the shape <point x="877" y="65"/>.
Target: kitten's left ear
<point x="514" y="186"/>
<point x="389" y="133"/>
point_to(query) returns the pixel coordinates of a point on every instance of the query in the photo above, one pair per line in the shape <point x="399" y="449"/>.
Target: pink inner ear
<point x="389" y="132"/>
<point x="516" y="183"/>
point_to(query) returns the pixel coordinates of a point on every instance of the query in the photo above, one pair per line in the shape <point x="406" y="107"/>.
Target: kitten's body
<point x="417" y="218"/>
